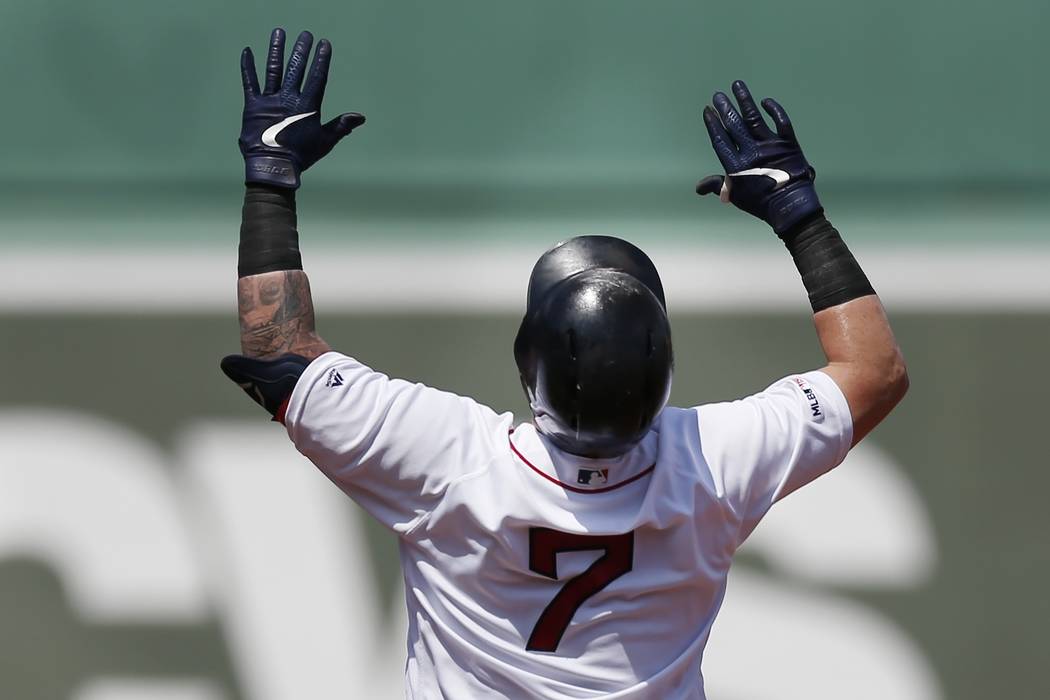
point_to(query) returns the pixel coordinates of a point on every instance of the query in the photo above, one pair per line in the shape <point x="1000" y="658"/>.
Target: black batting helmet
<point x="594" y="348"/>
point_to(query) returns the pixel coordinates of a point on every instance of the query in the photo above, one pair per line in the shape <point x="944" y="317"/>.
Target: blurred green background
<point x="123" y="116"/>
<point x="504" y="126"/>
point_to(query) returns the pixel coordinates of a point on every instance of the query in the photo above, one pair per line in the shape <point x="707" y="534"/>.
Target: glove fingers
<point x="712" y="184"/>
<point x="248" y="76"/>
<point x="274" y="62"/>
<point x="723" y="145"/>
<point x="731" y="118"/>
<point x="780" y="118"/>
<point x="344" y="124"/>
<point x="749" y="111"/>
<point x="293" y="78"/>
<point x="313" y="91"/>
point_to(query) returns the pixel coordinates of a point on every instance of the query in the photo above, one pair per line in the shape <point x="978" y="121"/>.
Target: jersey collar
<point x="581" y="474"/>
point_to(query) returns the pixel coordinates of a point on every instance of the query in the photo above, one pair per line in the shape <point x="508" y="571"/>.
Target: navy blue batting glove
<point x="766" y="174"/>
<point x="281" y="130"/>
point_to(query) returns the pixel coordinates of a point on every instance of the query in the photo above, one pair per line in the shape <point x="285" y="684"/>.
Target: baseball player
<point x="584" y="553"/>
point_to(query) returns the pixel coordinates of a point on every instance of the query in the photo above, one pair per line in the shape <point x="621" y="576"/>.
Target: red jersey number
<point x="544" y="546"/>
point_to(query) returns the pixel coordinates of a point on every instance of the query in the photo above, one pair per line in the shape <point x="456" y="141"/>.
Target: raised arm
<point x="281" y="136"/>
<point x="768" y="176"/>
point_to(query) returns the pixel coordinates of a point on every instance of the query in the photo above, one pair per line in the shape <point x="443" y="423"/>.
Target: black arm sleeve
<point x="829" y="271"/>
<point x="269" y="239"/>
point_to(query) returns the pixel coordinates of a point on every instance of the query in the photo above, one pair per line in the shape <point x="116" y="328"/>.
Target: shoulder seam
<point x="425" y="517"/>
<point x="493" y="455"/>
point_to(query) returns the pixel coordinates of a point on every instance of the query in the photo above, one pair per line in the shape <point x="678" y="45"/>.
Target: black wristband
<point x="269" y="240"/>
<point x="829" y="271"/>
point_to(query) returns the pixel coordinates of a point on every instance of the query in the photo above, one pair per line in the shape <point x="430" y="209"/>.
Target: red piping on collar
<point x="570" y="487"/>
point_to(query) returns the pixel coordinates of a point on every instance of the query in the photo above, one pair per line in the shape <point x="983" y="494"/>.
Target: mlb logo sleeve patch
<point x="816" y="413"/>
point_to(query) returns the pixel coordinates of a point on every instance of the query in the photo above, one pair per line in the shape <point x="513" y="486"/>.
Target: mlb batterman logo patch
<point x="592" y="477"/>
<point x="815" y="411"/>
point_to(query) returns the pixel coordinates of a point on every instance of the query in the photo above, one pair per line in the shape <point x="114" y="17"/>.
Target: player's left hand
<point x="281" y="131"/>
<point x="766" y="173"/>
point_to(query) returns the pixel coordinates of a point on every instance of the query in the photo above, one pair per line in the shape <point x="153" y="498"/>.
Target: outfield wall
<point x="488" y="117"/>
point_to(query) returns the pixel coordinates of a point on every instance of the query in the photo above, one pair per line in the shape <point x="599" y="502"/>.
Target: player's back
<point x="555" y="575"/>
<point x="535" y="573"/>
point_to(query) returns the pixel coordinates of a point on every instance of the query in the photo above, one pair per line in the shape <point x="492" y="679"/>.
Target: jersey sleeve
<point x="763" y="447"/>
<point x="393" y="446"/>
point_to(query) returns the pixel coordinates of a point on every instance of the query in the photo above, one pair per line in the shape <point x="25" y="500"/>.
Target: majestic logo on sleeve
<point x="334" y="379"/>
<point x="592" y="477"/>
<point x="816" y="412"/>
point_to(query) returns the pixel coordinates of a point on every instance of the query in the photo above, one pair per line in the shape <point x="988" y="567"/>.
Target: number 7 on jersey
<point x="544" y="546"/>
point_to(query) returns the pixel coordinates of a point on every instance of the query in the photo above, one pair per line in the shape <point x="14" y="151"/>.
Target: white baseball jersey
<point x="533" y="573"/>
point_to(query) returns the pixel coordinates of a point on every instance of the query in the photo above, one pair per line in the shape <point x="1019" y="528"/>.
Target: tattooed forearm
<point x="277" y="315"/>
<point x="245" y="299"/>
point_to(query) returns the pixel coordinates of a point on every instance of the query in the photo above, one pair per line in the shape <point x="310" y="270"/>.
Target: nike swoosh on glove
<point x="766" y="173"/>
<point x="281" y="130"/>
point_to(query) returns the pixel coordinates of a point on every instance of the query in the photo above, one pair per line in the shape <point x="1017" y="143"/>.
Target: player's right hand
<point x="766" y="173"/>
<point x="281" y="130"/>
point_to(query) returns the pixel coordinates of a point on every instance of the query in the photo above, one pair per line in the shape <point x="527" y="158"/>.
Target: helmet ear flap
<point x="523" y="356"/>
